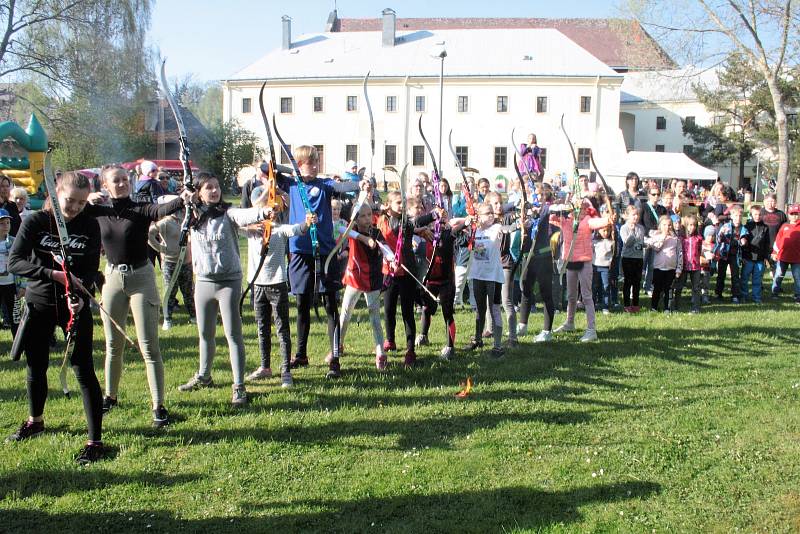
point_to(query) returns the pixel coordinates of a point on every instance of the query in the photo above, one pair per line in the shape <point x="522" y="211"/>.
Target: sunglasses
<point x="653" y="194"/>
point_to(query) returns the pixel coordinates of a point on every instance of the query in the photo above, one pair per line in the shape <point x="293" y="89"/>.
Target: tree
<point x="228" y="148"/>
<point x="764" y="32"/>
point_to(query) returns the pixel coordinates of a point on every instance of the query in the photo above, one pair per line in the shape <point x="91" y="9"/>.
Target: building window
<point x="390" y="154"/>
<point x="321" y="153"/>
<point x="418" y="156"/>
<point x="500" y="157"/>
<point x="687" y="149"/>
<point x="586" y="104"/>
<point x="420" y="104"/>
<point x="462" y="153"/>
<point x="351" y="153"/>
<point x="246" y="105"/>
<point x="284" y="157"/>
<point x="541" y="104"/>
<point x="689" y="121"/>
<point x="318" y="107"/>
<point x="391" y="103"/>
<point x="584" y="158"/>
<point x="286" y="104"/>
<point x="661" y="123"/>
<point x="659" y="148"/>
<point x="543" y="157"/>
<point x="352" y="103"/>
<point x="502" y="104"/>
<point x="463" y="104"/>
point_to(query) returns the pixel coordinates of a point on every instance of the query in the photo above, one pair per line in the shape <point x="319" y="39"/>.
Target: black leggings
<point x="540" y="271"/>
<point x="404" y="289"/>
<point x="446" y="293"/>
<point x="42" y="322"/>
<point x="662" y="284"/>
<point x="271" y="304"/>
<point x="632" y="271"/>
<point x="8" y="295"/>
<point x="488" y="293"/>
<point x="304" y="304"/>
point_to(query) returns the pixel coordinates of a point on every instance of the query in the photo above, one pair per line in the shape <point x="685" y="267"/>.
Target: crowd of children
<point x="414" y="248"/>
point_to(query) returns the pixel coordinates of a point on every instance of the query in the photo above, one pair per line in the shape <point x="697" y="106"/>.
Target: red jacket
<point x="787" y="243"/>
<point x="692" y="249"/>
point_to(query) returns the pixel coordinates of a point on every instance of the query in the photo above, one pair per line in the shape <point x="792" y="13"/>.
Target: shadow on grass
<point x="55" y="482"/>
<point x="435" y="432"/>
<point x="492" y="510"/>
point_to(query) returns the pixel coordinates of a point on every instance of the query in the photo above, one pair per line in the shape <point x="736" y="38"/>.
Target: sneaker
<point x="196" y="382"/>
<point x="167" y="324"/>
<point x="260" y="374"/>
<point x="108" y="404"/>
<point x="160" y="417"/>
<point x="543" y="336"/>
<point x="28" y="429"/>
<point x="522" y="330"/>
<point x="286" y="380"/>
<point x="389" y="345"/>
<point x="239" y="397"/>
<point x="695" y="311"/>
<point x="329" y="356"/>
<point x="667" y="311"/>
<point x="334" y="369"/>
<point x="496" y="353"/>
<point x="735" y="300"/>
<point x="421" y="341"/>
<point x="380" y="361"/>
<point x="474" y="344"/>
<point x="628" y="309"/>
<point x="566" y="327"/>
<point x="91" y="453"/>
<point x="606" y="312"/>
<point x="410" y="359"/>
<point x="298" y="361"/>
<point x="636" y="309"/>
<point x="589" y="335"/>
<point x="447" y="354"/>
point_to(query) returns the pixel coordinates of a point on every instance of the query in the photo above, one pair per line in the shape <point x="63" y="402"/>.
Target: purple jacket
<point x="530" y="160"/>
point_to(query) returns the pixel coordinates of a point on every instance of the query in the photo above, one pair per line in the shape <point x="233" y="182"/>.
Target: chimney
<point x="388" y="26"/>
<point x="287" y="32"/>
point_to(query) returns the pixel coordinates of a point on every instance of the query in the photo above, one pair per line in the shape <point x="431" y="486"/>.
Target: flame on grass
<point x="467" y="389"/>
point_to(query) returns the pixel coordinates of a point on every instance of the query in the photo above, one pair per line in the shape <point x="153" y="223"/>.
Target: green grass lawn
<point x="667" y="424"/>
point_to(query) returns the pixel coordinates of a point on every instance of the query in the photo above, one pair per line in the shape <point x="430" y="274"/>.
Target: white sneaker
<point x="606" y="312"/>
<point x="566" y="327"/>
<point x="544" y="335"/>
<point x="522" y="329"/>
<point x="589" y="335"/>
<point x="167" y="325"/>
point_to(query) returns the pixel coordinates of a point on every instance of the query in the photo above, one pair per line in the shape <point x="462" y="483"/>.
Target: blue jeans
<point x="600" y="289"/>
<point x="754" y="269"/>
<point x="780" y="271"/>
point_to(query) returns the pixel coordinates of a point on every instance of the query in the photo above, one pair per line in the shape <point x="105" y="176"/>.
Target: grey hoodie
<point x="215" y="244"/>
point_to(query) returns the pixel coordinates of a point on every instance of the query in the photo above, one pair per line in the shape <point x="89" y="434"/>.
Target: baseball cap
<point x="4" y="214"/>
<point x="350" y="164"/>
<point x="794" y="209"/>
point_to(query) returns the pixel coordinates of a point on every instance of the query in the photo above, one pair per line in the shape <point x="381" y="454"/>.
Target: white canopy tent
<point x="655" y="165"/>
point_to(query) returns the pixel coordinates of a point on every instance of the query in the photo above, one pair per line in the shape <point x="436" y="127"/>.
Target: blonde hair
<point x="336" y="203"/>
<point x="306" y="154"/>
<point x="668" y="219"/>
<point x="685" y="220"/>
<point x="630" y="210"/>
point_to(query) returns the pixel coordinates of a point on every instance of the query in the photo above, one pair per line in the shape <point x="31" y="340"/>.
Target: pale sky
<point x="213" y="39"/>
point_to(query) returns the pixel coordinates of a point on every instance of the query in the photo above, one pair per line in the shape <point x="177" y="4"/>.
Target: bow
<point x="272" y="200"/>
<point x="64" y="261"/>
<point x="609" y="194"/>
<point x="466" y="193"/>
<point x="188" y="183"/>
<point x="437" y="195"/>
<point x="301" y="190"/>
<point x="576" y="193"/>
<point x="371" y="126"/>
<point x="398" y="246"/>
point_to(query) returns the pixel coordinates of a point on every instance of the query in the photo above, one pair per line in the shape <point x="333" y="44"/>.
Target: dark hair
<point x="728" y="192"/>
<point x="215" y="210"/>
<point x="547" y="192"/>
<point x="449" y="192"/>
<point x="74" y="179"/>
<point x="633" y="175"/>
<point x="5" y="178"/>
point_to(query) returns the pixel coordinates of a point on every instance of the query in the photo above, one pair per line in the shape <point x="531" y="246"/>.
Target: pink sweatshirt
<point x="582" y="250"/>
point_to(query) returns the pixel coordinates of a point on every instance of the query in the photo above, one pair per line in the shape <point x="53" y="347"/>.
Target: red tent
<point x="169" y="165"/>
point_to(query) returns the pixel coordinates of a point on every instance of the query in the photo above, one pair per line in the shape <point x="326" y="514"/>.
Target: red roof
<point x="170" y="165"/>
<point x="619" y="43"/>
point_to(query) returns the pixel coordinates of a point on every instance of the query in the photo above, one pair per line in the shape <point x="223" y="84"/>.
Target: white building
<point x="495" y="80"/>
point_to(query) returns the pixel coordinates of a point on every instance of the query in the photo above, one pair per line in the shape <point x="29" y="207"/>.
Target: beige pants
<point x="135" y="290"/>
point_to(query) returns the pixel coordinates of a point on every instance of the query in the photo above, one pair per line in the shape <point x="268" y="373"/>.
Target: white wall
<point x="481" y="128"/>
